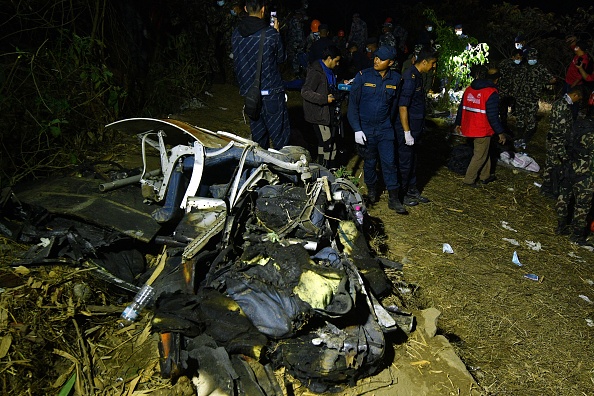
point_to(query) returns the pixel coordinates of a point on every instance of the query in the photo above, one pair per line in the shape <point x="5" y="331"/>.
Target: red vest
<point x="474" y="112"/>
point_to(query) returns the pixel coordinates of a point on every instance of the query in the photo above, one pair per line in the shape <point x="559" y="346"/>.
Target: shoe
<point x="409" y="201"/>
<point x="394" y="202"/>
<point x="580" y="240"/>
<point x="472" y="185"/>
<point x="371" y="194"/>
<point x="489" y="179"/>
<point x="416" y="195"/>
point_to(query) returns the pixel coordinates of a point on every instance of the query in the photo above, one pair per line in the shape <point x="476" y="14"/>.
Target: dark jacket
<point x="492" y="110"/>
<point x="246" y="43"/>
<point x="315" y="92"/>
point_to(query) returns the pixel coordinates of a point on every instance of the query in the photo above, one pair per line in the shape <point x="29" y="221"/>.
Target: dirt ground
<point x="498" y="333"/>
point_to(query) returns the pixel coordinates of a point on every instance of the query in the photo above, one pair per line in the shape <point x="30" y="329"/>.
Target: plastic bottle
<point x="141" y="300"/>
<point x="359" y="214"/>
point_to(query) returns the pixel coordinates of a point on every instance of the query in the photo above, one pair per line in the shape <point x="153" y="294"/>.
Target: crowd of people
<point x="386" y="105"/>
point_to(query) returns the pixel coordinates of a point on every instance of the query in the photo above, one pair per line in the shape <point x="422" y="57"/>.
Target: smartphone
<point x="272" y="18"/>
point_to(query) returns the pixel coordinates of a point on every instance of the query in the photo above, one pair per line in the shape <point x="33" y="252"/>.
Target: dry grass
<point x="517" y="336"/>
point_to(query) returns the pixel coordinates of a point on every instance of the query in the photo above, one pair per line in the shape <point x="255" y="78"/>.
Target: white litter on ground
<point x="512" y="241"/>
<point x="534" y="245"/>
<point x="516" y="259"/>
<point x="505" y="225"/>
<point x="585" y="298"/>
<point x="447" y="248"/>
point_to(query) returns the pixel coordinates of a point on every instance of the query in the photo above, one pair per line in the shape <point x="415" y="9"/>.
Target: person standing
<point x="273" y="123"/>
<point x="358" y="33"/>
<point x="313" y="36"/>
<point x="410" y="123"/>
<point x="573" y="76"/>
<point x="578" y="186"/>
<point x="324" y="41"/>
<point x="533" y="76"/>
<point x="296" y="42"/>
<point x="387" y="37"/>
<point x="372" y="104"/>
<point x="561" y="126"/>
<point x="478" y="119"/>
<point x="319" y="103"/>
<point x="509" y="83"/>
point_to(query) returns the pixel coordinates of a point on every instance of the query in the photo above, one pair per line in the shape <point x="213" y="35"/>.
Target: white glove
<point x="409" y="140"/>
<point x="360" y="138"/>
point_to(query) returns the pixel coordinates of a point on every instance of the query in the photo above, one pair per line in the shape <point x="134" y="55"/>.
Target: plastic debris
<point x="505" y="225"/>
<point x="575" y="256"/>
<point x="534" y="245"/>
<point x="532" y="277"/>
<point x="223" y="108"/>
<point x="512" y="241"/>
<point x="516" y="260"/>
<point x="590" y="322"/>
<point x="537" y="184"/>
<point x="447" y="248"/>
<point x="208" y="94"/>
<point x="590" y="282"/>
<point x="586" y="299"/>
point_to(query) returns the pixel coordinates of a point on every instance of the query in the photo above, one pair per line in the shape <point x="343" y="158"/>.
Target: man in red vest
<point x="478" y="119"/>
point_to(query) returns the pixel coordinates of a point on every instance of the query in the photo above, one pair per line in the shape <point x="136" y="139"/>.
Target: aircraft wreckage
<point x="266" y="262"/>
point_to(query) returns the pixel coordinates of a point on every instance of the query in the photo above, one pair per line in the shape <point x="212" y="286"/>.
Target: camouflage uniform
<point x="295" y="42"/>
<point x="579" y="183"/>
<point x="509" y="84"/>
<point x="358" y="33"/>
<point x="401" y="35"/>
<point x="561" y="124"/>
<point x="387" y="39"/>
<point x="533" y="79"/>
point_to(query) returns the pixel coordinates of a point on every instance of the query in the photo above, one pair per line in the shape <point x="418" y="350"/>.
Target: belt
<point x="272" y="91"/>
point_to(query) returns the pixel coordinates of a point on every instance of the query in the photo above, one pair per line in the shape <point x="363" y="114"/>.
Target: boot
<point x="562" y="227"/>
<point x="394" y="202"/>
<point x="579" y="237"/>
<point x="371" y="194"/>
<point x="414" y="195"/>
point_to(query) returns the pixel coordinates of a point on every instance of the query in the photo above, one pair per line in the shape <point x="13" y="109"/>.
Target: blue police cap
<point x="386" y="53"/>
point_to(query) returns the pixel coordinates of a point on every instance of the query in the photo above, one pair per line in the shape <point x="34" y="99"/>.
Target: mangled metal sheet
<point x="177" y="132"/>
<point x="122" y="210"/>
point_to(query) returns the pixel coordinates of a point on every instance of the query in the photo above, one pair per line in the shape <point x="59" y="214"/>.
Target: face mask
<point x="519" y="46"/>
<point x="458" y="32"/>
<point x="517" y="61"/>
<point x="368" y="49"/>
<point x="532" y="62"/>
<point x="429" y="28"/>
<point x="316" y="34"/>
<point x="221" y="3"/>
<point x="233" y="13"/>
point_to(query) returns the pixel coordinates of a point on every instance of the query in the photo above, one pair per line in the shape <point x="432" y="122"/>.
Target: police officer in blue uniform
<point x="372" y="108"/>
<point x="410" y="123"/>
